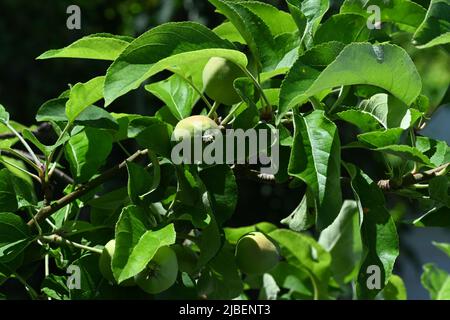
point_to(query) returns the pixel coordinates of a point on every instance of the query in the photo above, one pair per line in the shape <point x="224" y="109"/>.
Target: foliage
<point x="310" y="72"/>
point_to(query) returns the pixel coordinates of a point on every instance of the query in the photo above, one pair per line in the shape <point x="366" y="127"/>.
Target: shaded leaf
<point x="315" y="159"/>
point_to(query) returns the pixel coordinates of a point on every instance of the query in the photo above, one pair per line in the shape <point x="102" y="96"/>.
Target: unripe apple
<point x="256" y="253"/>
<point x="160" y="273"/>
<point x="190" y="126"/>
<point x="105" y="264"/>
<point x="218" y="77"/>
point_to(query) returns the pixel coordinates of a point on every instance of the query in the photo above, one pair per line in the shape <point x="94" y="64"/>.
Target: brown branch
<point x="47" y="211"/>
<point x="411" y="179"/>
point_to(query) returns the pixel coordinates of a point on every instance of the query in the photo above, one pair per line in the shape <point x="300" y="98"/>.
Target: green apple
<point x="256" y="253"/>
<point x="105" y="264"/>
<point x="160" y="273"/>
<point x="218" y="77"/>
<point x="190" y="126"/>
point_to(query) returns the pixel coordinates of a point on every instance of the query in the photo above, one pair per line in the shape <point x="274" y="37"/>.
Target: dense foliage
<point x="334" y="88"/>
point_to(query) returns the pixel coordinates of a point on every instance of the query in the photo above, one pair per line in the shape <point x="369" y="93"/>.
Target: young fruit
<point x="218" y="77"/>
<point x="161" y="272"/>
<point x="105" y="264"/>
<point x="256" y="254"/>
<point x="186" y="128"/>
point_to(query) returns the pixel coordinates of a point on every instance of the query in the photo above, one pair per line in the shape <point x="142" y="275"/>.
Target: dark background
<point x="29" y="28"/>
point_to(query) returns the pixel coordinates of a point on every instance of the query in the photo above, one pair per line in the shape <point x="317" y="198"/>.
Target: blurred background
<point x="29" y="28"/>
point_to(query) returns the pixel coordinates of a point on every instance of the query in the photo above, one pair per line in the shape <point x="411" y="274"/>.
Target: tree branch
<point x="412" y="178"/>
<point x="47" y="211"/>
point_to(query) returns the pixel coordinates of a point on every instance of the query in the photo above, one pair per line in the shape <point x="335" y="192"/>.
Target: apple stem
<point x="212" y="112"/>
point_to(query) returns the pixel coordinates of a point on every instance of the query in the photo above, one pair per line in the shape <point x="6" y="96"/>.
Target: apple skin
<point x="190" y="126"/>
<point x="105" y="264"/>
<point x="218" y="77"/>
<point x="161" y="272"/>
<point x="256" y="253"/>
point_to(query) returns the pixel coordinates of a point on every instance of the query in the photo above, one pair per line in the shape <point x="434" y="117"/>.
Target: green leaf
<point x="53" y="110"/>
<point x="227" y="31"/>
<point x="297" y="249"/>
<point x="221" y="279"/>
<point x="436" y="217"/>
<point x="234" y="234"/>
<point x="304" y="216"/>
<point x="407" y="153"/>
<point x="315" y="159"/>
<point x="153" y="134"/>
<point x="221" y="184"/>
<point x="320" y="56"/>
<point x="313" y="10"/>
<point x="435" y="28"/>
<point x="435" y="150"/>
<point x="380" y="139"/>
<point x="343" y="240"/>
<point x="444" y="247"/>
<point x="294" y="279"/>
<point x="15" y="236"/>
<point x="378" y="234"/>
<point x="55" y="287"/>
<point x="270" y="289"/>
<point x="362" y="119"/>
<point x="8" y="201"/>
<point x="358" y="63"/>
<point x="388" y="110"/>
<point x="4" y="115"/>
<point x="141" y="183"/>
<point x="171" y="45"/>
<point x="145" y="249"/>
<point x="345" y="28"/>
<point x="253" y="29"/>
<point x="247" y="115"/>
<point x="395" y="289"/>
<point x="387" y="141"/>
<point x="406" y="14"/>
<point x="438" y="189"/>
<point x="130" y="227"/>
<point x="177" y="94"/>
<point x="46" y="150"/>
<point x="92" y="116"/>
<point x="82" y="95"/>
<point x="87" y="151"/>
<point x="96" y="117"/>
<point x="436" y="281"/>
<point x="209" y="242"/>
<point x="100" y="46"/>
<point x="297" y="14"/>
<point x="278" y="21"/>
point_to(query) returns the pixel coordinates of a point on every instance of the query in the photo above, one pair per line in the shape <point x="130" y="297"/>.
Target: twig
<point x="412" y="179"/>
<point x="54" y="238"/>
<point x="47" y="211"/>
